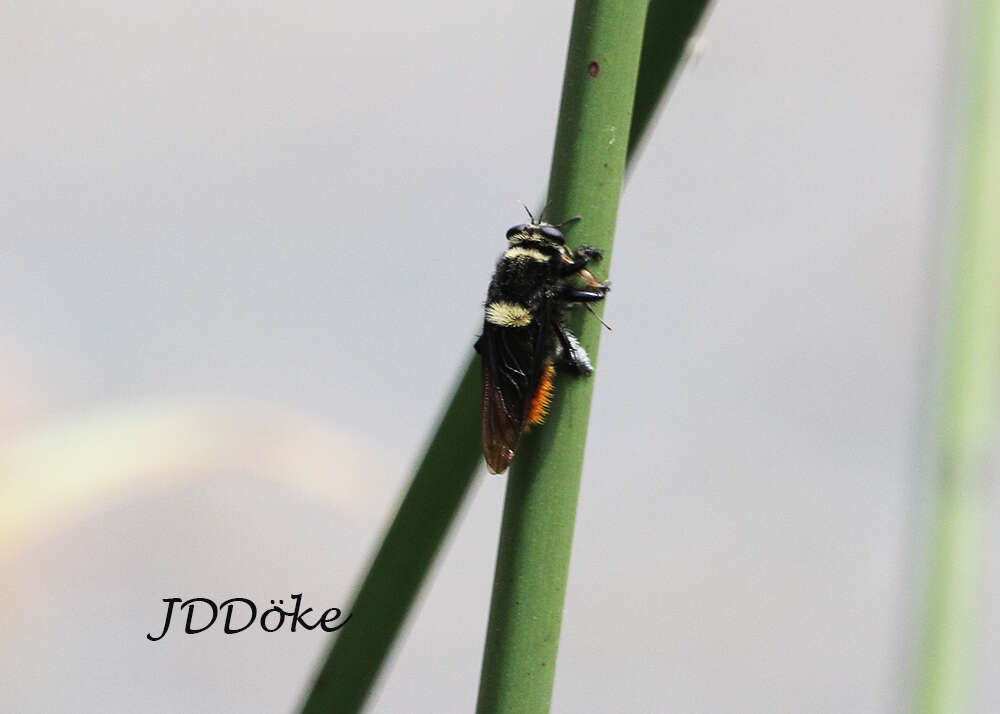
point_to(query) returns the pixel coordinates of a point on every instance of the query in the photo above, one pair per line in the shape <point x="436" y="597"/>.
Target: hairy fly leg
<point x="571" y="352"/>
<point x="584" y="255"/>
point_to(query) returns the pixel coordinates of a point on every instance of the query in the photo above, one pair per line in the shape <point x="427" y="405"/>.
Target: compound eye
<point x="553" y="234"/>
<point x="519" y="228"/>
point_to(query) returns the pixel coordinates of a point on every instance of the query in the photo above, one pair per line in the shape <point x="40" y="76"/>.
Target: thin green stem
<point x="588" y="167"/>
<point x="967" y="424"/>
<point x="401" y="563"/>
<point x="669" y="26"/>
<point x="453" y="457"/>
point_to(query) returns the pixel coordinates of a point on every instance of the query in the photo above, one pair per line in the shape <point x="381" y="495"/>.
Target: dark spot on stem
<point x="593" y="68"/>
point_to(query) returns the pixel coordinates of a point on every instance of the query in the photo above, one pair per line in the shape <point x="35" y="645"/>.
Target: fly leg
<point x="578" y="261"/>
<point x="593" y="294"/>
<point x="577" y="265"/>
<point x="571" y="353"/>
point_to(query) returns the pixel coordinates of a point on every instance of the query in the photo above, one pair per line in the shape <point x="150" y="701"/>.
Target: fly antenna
<point x="527" y="210"/>
<point x="610" y="328"/>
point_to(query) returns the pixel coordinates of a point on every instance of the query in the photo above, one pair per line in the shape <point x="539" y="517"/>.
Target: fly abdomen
<point x="504" y="313"/>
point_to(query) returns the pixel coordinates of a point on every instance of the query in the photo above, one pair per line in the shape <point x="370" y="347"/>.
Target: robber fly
<point x="524" y="333"/>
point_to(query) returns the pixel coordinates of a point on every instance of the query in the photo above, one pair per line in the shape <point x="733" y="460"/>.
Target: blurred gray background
<point x="244" y="253"/>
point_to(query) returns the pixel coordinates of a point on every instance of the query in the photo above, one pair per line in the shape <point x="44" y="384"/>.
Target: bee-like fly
<point x="524" y="334"/>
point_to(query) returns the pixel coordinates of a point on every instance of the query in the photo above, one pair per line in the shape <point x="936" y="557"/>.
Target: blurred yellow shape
<point x="54" y="474"/>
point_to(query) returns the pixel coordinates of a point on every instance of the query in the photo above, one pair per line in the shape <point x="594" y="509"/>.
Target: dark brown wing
<point x="514" y="361"/>
<point x="502" y="423"/>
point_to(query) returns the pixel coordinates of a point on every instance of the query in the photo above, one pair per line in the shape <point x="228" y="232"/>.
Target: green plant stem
<point x="967" y="424"/>
<point x="454" y="456"/>
<point x="669" y="25"/>
<point x="588" y="168"/>
<point x="401" y="563"/>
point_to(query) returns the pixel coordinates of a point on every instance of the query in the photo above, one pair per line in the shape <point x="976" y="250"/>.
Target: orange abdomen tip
<point x="543" y="396"/>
